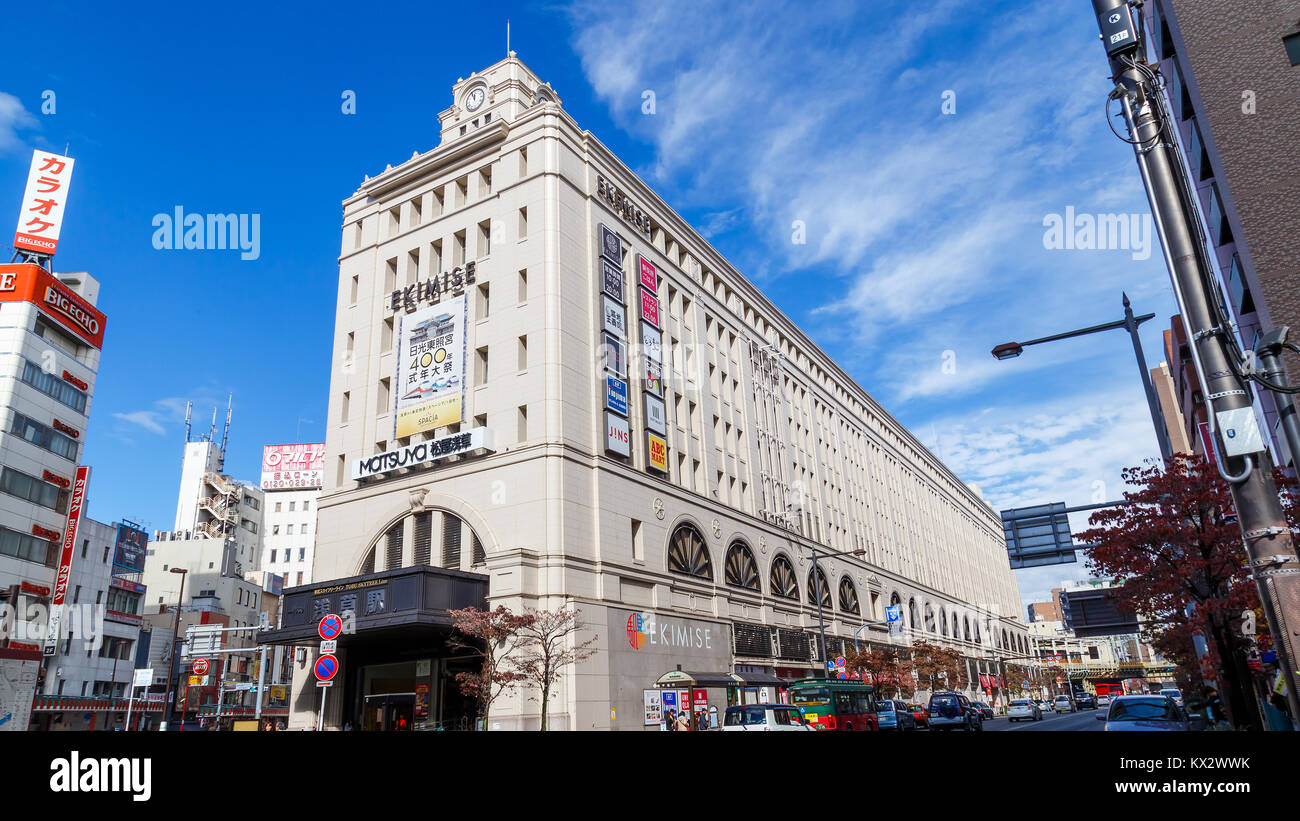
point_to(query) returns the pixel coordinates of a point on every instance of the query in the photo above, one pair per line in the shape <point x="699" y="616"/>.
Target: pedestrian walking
<point x="683" y="721"/>
<point x="670" y="721"/>
<point x="703" y="720"/>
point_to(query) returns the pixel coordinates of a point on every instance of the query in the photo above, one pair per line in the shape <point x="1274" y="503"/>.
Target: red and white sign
<point x="65" y="558"/>
<point x="650" y="307"/>
<point x="286" y="467"/>
<point x="27" y="282"/>
<point x="41" y="215"/>
<point x="649" y="277"/>
<point x="200" y="667"/>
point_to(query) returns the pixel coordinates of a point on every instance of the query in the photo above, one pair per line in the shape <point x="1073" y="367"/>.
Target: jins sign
<point x="432" y="290"/>
<point x="624" y="206"/>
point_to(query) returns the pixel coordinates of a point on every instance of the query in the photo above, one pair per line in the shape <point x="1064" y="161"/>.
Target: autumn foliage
<point x="1177" y="543"/>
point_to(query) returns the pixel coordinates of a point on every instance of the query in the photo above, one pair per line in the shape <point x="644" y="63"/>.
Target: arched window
<point x="966" y="624"/>
<point x="436" y="538"/>
<point x="849" y="597"/>
<point x="913" y="618"/>
<point x="822" y="587"/>
<point x="741" y="570"/>
<point x="956" y="634"/>
<point x="943" y="620"/>
<point x="782" y="580"/>
<point x="688" y="553"/>
<point x="929" y="619"/>
<point x="976" y="627"/>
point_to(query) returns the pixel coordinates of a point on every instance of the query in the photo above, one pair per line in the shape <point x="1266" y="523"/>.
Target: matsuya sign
<point x="424" y="452"/>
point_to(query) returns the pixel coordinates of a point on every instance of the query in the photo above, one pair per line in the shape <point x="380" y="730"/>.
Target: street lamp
<point x="1130" y="323"/>
<point x="817" y="593"/>
<point x="176" y="626"/>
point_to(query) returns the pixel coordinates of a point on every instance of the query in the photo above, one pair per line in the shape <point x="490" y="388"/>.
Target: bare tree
<point x="494" y="636"/>
<point x="549" y="644"/>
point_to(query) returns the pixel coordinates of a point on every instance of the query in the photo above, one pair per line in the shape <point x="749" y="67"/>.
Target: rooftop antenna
<point x="507" y="37"/>
<point x="225" y="434"/>
<point x="212" y="429"/>
<point x="188" y="407"/>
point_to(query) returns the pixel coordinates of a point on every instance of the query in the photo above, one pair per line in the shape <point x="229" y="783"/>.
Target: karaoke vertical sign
<point x="65" y="559"/>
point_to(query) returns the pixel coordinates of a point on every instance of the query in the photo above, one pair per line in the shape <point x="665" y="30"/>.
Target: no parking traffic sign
<point x="330" y="627"/>
<point x="326" y="667"/>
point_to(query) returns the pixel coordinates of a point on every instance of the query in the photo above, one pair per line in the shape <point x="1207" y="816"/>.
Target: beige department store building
<point x="523" y="245"/>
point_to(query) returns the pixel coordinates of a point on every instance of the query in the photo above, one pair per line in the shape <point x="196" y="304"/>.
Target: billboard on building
<point x="41" y="215"/>
<point x="293" y="466"/>
<point x="65" y="559"/>
<point x="430" y="384"/>
<point x="131" y="548"/>
<point x="26" y="282"/>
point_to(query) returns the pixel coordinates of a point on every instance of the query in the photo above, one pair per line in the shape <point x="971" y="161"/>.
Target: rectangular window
<point x="435" y="258"/>
<point x="356" y="285"/>
<point x="347" y="401"/>
<point x="44" y="437"/>
<point x="272" y="556"/>
<point x="485" y="180"/>
<point x="289" y="530"/>
<point x="523" y="162"/>
<point x="390" y="275"/>
<point x="381" y="405"/>
<point x="299" y="577"/>
<point x="483" y="304"/>
<point x="1292" y="44"/>
<point x="394" y="220"/>
<point x="275" y="531"/>
<point x="302" y="551"/>
<point x="523" y="285"/>
<point x="277" y="507"/>
<point x="523" y="422"/>
<point x="458" y="248"/>
<point x="304" y="529"/>
<point x="57" y="337"/>
<point x="484" y="239"/>
<point x="462" y="188"/>
<point x="50" y="385"/>
<point x="28" y="548"/>
<point x="523" y="352"/>
<point x="481" y="366"/>
<point x="19" y="484"/>
<point x="638" y="544"/>
<point x="291" y="506"/>
<point x="523" y="223"/>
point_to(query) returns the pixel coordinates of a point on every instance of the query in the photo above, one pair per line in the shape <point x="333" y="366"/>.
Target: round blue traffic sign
<point x="326" y="667"/>
<point x="330" y="627"/>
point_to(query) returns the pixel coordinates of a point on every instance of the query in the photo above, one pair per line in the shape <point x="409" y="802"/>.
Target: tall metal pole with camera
<point x="1221" y="366"/>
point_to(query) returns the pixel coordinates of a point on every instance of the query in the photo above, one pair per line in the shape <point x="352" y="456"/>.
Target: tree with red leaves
<point x="494" y="636"/>
<point x="1176" y="545"/>
<point x="549" y="643"/>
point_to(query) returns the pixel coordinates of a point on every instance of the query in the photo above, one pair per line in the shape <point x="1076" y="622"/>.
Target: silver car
<point x="1144" y="714"/>
<point x="1024" y="708"/>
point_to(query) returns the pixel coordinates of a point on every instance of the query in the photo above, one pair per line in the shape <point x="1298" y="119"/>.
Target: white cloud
<point x="149" y="420"/>
<point x="13" y="118"/>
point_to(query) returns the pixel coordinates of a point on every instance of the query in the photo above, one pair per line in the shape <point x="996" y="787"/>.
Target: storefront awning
<point x="686" y="678"/>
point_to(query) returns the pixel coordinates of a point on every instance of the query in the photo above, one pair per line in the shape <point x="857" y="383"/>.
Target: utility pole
<point x="1238" y="445"/>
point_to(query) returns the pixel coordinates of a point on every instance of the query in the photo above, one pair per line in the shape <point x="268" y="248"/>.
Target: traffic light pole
<point x="1241" y="457"/>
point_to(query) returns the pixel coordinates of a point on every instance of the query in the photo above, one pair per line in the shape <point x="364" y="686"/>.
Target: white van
<point x="765" y="717"/>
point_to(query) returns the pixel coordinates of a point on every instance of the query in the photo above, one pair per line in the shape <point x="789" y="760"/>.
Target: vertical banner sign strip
<point x="41" y="215"/>
<point x="65" y="558"/>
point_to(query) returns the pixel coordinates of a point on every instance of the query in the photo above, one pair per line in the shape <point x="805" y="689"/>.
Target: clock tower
<point x="499" y="93"/>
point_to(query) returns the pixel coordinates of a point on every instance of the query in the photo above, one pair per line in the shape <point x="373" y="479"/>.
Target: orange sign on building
<point x="28" y="282"/>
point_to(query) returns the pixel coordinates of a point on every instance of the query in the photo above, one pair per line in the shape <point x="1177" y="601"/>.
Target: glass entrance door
<point x="391" y="712"/>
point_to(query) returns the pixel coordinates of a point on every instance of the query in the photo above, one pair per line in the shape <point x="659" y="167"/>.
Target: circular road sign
<point x="839" y="661"/>
<point x="330" y="627"/>
<point x="326" y="667"/>
<point x="200" y="667"/>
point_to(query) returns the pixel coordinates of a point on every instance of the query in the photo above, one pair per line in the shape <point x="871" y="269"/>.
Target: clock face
<point x="475" y="99"/>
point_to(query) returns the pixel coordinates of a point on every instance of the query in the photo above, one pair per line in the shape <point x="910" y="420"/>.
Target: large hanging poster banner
<point x="430" y="384"/>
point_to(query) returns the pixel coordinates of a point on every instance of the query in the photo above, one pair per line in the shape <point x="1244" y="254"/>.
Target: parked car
<point x="1144" y="714"/>
<point x="920" y="714"/>
<point x="1024" y="708"/>
<point x="894" y="715"/>
<point x="1086" y="702"/>
<point x="985" y="711"/>
<point x="765" y="717"/>
<point x="950" y="711"/>
<point x="1062" y="704"/>
<point x="1173" y="693"/>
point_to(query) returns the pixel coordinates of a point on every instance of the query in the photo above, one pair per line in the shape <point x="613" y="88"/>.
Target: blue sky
<point x="924" y="228"/>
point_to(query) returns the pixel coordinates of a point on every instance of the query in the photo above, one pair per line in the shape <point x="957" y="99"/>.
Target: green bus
<point x="830" y="704"/>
